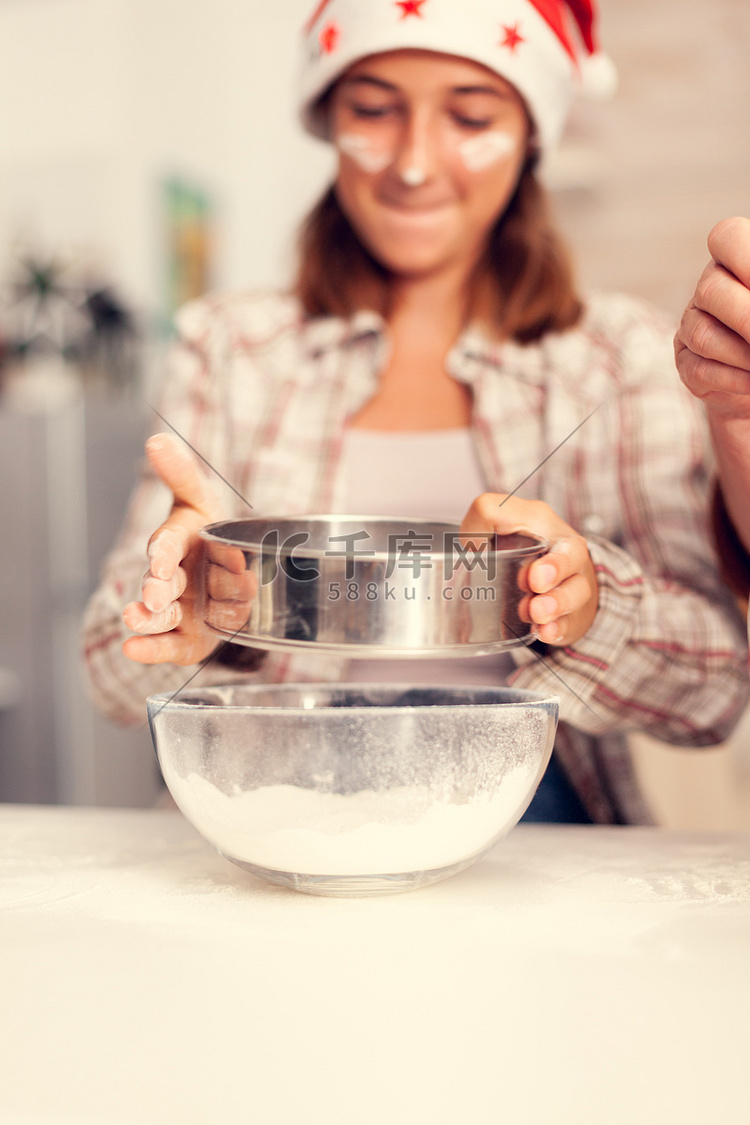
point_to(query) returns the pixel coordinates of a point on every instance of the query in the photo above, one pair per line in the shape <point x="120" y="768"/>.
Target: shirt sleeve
<point x="667" y="651"/>
<point x="193" y="403"/>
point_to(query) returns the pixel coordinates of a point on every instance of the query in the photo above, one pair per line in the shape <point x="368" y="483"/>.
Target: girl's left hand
<point x="561" y="594"/>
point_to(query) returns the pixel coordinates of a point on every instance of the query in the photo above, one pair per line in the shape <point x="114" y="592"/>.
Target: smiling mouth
<point x="404" y="207"/>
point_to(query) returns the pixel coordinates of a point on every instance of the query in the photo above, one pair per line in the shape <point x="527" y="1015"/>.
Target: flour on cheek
<point x="486" y="149"/>
<point x="366" y="154"/>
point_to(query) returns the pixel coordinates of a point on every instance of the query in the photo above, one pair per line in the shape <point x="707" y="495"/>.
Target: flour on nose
<point x="413" y="176"/>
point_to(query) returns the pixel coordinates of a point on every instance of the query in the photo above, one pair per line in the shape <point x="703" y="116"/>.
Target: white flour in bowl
<point x="403" y="829"/>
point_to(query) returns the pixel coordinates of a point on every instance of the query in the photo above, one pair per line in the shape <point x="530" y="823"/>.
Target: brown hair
<point x="523" y="286"/>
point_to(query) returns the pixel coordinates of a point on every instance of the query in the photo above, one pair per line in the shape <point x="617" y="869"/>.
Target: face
<point x="430" y="151"/>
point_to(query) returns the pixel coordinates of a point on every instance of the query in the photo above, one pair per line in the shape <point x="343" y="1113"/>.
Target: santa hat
<point x="547" y="49"/>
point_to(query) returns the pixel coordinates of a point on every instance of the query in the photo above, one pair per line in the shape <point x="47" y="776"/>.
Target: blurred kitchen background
<point x="149" y="152"/>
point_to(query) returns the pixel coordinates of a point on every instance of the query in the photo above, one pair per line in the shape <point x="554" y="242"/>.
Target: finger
<point x="222" y="585"/>
<point x="173" y="462"/>
<point x="231" y="558"/>
<point x="568" y="598"/>
<point x="503" y="514"/>
<point x="566" y="557"/>
<point x="169" y="545"/>
<point x="228" y="616"/>
<point x="157" y="593"/>
<point x="709" y="338"/>
<point x="169" y="648"/>
<point x="172" y="542"/>
<point x="710" y="379"/>
<point x="523" y="609"/>
<point x="720" y="293"/>
<point x="729" y="245"/>
<point x="559" y="632"/>
<point x="139" y="619"/>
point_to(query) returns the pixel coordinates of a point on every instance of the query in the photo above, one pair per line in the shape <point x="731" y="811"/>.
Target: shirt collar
<point x="478" y="353"/>
<point x="330" y="333"/>
<point x="475" y="354"/>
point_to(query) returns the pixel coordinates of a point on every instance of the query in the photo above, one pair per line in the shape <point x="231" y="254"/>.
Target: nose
<point x="417" y="155"/>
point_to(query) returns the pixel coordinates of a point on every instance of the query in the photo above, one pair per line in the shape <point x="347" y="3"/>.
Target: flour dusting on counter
<point x="305" y="831"/>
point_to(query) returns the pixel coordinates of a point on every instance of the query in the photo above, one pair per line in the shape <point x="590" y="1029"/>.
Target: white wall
<point x="101" y="99"/>
<point x="674" y="146"/>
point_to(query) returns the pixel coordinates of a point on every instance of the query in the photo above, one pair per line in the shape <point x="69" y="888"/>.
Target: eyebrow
<point x="369" y="80"/>
<point x="389" y="87"/>
<point x="481" y="90"/>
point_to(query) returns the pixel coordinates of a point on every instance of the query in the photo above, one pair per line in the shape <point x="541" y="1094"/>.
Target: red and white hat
<point x="547" y="49"/>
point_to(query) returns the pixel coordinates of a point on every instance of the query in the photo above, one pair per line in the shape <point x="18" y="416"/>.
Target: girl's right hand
<point x="169" y="620"/>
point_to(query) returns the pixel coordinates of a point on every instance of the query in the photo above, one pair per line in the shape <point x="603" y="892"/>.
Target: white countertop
<point x="586" y="975"/>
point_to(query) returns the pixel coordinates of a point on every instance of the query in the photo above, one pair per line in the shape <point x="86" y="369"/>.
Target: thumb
<point x="503" y="514"/>
<point x="176" y="466"/>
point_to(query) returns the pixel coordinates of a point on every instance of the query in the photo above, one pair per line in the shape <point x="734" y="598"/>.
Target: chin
<point x="415" y="270"/>
<point x="408" y="248"/>
<point x="410" y="259"/>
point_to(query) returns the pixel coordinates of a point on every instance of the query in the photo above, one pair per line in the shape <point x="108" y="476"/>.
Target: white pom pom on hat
<point x="547" y="49"/>
<point x="599" y="77"/>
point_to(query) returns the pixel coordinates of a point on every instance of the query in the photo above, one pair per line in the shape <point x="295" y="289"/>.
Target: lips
<point x="416" y="207"/>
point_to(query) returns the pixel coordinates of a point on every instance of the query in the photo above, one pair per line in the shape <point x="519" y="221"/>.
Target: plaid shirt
<point x="264" y="393"/>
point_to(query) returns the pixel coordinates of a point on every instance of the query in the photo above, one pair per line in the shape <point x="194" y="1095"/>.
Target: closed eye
<point x="370" y="111"/>
<point x="472" y="122"/>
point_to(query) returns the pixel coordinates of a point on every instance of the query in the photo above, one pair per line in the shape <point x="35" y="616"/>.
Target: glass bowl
<point x="353" y="789"/>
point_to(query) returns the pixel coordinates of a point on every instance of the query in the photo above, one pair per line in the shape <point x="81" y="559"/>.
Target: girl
<point x="432" y="354"/>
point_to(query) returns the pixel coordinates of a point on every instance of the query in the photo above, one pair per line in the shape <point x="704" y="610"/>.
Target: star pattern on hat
<point x="329" y="36"/>
<point x="512" y="37"/>
<point x="410" y="7"/>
